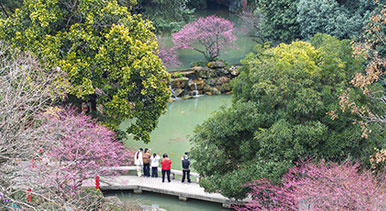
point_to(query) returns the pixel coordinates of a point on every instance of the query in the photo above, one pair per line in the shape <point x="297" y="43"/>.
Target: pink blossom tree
<point x="48" y="154"/>
<point x="27" y="89"/>
<point x="319" y="187"/>
<point x="82" y="151"/>
<point x="206" y="35"/>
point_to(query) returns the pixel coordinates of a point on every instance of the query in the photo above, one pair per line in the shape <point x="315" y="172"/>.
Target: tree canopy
<point x="343" y="21"/>
<point x="166" y="15"/>
<point x="109" y="56"/>
<point x="288" y="20"/>
<point x="279" y="20"/>
<point x="279" y="115"/>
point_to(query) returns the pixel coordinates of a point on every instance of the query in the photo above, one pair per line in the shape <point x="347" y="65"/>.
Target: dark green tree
<point x="108" y="54"/>
<point x="279" y="20"/>
<point x="279" y="115"/>
<point x="166" y="15"/>
<point x="343" y="19"/>
<point x="8" y="6"/>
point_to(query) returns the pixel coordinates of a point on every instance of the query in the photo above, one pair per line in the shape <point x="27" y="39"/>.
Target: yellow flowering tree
<point x="108" y="54"/>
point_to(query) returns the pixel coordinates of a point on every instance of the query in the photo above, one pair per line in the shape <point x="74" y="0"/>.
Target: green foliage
<point x="9" y="6"/>
<point x="167" y="15"/>
<point x="108" y="54"/>
<point x="177" y="75"/>
<point x="279" y="22"/>
<point x="286" y="21"/>
<point x="198" y="4"/>
<point x="279" y="116"/>
<point x="201" y="63"/>
<point x="343" y="20"/>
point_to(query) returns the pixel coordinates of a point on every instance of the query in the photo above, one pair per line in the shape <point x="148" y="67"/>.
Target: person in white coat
<point x="154" y="165"/>
<point x="138" y="161"/>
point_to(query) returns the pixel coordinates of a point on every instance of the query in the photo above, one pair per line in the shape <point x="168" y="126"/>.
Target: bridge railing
<point x="173" y="172"/>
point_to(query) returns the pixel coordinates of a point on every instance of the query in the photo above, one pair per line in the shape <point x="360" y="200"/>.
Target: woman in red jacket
<point x="166" y="165"/>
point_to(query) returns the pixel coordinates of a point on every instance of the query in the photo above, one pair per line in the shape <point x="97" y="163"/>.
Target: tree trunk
<point x="93" y="106"/>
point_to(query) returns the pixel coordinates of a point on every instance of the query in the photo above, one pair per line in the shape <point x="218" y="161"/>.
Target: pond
<point x="169" y="203"/>
<point x="177" y="124"/>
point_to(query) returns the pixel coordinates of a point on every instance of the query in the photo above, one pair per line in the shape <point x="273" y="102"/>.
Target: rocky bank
<point x="213" y="79"/>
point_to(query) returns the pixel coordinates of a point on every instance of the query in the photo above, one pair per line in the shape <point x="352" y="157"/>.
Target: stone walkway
<point x="184" y="191"/>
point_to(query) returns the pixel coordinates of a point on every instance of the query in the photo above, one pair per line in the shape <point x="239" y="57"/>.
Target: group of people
<point x="143" y="160"/>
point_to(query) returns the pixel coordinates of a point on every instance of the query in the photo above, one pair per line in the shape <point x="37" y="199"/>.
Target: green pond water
<point x="244" y="43"/>
<point x="177" y="124"/>
<point x="170" y="203"/>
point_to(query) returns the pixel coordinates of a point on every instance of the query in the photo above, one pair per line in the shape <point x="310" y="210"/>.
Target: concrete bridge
<point x="183" y="191"/>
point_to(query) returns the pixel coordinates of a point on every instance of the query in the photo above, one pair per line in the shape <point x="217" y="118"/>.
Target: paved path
<point x="184" y="191"/>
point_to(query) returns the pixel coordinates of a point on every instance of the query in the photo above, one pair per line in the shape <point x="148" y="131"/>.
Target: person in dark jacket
<point x="185" y="167"/>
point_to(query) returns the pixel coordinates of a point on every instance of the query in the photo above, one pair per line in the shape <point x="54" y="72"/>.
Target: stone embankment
<point x="212" y="79"/>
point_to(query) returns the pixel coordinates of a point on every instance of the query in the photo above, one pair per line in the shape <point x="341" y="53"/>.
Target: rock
<point x="187" y="97"/>
<point x="184" y="73"/>
<point x="234" y="71"/>
<point x="212" y="91"/>
<point x="179" y="83"/>
<point x="197" y="69"/>
<point x="171" y="100"/>
<point x="206" y="73"/>
<point x="179" y="92"/>
<point x="215" y="91"/>
<point x="222" y="80"/>
<point x="192" y="85"/>
<point x="200" y="84"/>
<point x="223" y="71"/>
<point x="216" y="64"/>
<point x="188" y="74"/>
<point x="211" y="82"/>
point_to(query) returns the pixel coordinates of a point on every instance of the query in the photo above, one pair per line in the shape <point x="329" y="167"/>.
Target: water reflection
<point x="170" y="203"/>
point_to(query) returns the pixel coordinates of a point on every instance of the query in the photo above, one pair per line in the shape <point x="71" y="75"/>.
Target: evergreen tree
<point x="279" y="116"/>
<point x="108" y="54"/>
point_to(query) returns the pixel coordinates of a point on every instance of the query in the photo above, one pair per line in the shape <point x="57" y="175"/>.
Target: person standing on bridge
<point x="166" y="166"/>
<point x="138" y="161"/>
<point x="154" y="165"/>
<point x="146" y="163"/>
<point x="185" y="167"/>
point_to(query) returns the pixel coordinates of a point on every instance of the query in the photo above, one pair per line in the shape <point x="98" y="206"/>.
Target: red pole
<point x="97" y="183"/>
<point x="244" y="3"/>
<point x="29" y="195"/>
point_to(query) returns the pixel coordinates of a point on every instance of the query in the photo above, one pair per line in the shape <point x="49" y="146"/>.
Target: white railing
<point x="173" y="172"/>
